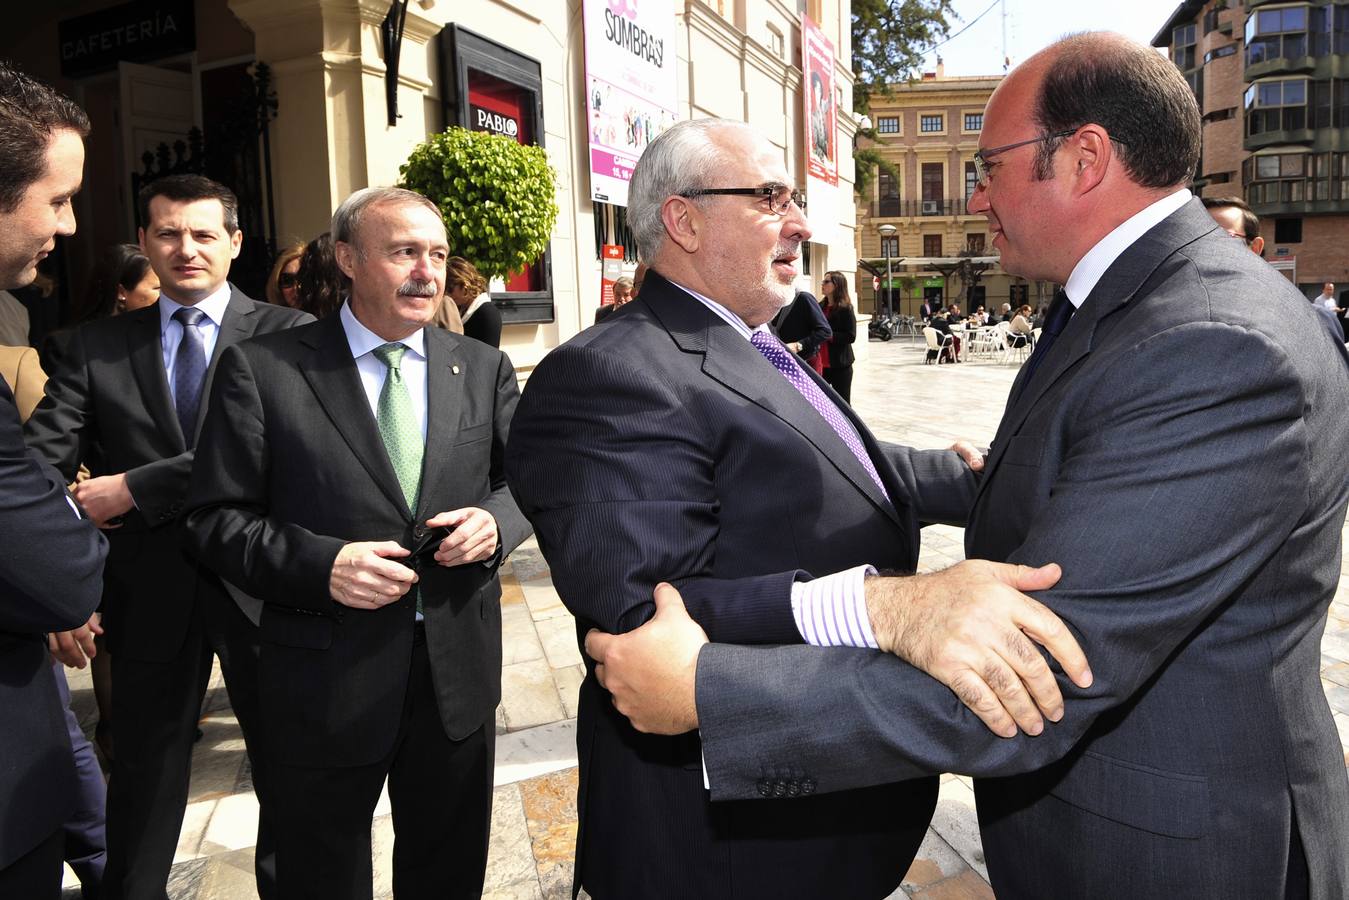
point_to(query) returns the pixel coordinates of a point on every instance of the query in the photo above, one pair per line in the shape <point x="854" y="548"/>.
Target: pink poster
<point x="817" y="67"/>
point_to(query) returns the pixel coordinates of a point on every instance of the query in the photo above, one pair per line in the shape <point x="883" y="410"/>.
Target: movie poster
<point x="817" y="69"/>
<point x="631" y="88"/>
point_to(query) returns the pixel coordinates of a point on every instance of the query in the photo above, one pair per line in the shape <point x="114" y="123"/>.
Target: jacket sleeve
<point x="619" y="486"/>
<point x="1186" y="456"/>
<point x="51" y="570"/>
<point x="512" y="526"/>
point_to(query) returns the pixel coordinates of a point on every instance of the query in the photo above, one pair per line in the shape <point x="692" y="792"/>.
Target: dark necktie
<point x="1061" y="309"/>
<point x="782" y="360"/>
<point x="189" y="371"/>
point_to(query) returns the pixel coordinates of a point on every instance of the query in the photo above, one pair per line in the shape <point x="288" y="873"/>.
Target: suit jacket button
<point x="419" y="532"/>
<point x="764" y="788"/>
<point x="808" y="786"/>
<point x="793" y="788"/>
<point x="779" y="788"/>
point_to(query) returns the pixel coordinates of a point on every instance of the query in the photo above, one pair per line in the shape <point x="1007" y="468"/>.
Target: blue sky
<point x="1033" y="24"/>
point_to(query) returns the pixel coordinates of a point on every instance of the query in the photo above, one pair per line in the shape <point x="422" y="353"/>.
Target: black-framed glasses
<point x="780" y="196"/>
<point x="981" y="157"/>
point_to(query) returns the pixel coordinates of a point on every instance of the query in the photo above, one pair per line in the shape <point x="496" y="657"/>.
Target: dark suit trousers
<point x="840" y="379"/>
<point x="441" y="795"/>
<point x="86" y="840"/>
<point x="156" y="706"/>
<point x="37" y="874"/>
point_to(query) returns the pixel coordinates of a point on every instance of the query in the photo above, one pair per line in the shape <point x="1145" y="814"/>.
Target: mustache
<point x="787" y="248"/>
<point x="415" y="288"/>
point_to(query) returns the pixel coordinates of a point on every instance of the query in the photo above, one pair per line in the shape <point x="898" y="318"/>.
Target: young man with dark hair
<point x="51" y="567"/>
<point x="127" y="398"/>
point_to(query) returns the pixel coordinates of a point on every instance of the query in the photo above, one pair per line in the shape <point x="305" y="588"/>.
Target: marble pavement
<point x="534" y="822"/>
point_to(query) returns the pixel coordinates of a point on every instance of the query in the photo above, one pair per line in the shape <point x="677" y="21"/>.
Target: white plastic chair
<point x="937" y="344"/>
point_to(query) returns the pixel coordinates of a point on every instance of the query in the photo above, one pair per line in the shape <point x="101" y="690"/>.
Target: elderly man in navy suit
<point x="683" y="440"/>
<point x="52" y="565"/>
<point x="1177" y="447"/>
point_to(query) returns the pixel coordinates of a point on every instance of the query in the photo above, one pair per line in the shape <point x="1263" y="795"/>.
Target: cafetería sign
<point x="139" y="31"/>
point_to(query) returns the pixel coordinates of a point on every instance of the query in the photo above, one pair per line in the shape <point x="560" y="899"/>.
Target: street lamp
<point x="887" y="231"/>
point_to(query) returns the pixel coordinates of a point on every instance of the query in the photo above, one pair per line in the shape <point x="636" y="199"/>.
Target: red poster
<point x="610" y="271"/>
<point x="817" y="67"/>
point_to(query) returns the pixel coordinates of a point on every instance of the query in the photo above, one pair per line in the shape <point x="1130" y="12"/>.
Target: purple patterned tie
<point x="785" y="363"/>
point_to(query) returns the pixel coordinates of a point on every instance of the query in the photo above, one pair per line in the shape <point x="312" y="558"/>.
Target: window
<point x="974" y="121"/>
<point x="777" y="42"/>
<point x="1220" y="115"/>
<point x="1218" y="178"/>
<point x="1276" y="33"/>
<point x="932" y="185"/>
<point x="971" y="180"/>
<point x="1182" y="47"/>
<point x="975" y="244"/>
<point x="931" y="123"/>
<point x="1210" y="21"/>
<point x="887" y="194"/>
<point x="887" y="125"/>
<point x="1276" y="106"/>
<point x="932" y="245"/>
<point x="1228" y="50"/>
<point x="1287" y="231"/>
<point x="890" y="246"/>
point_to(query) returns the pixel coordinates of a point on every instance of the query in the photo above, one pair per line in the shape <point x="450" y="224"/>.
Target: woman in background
<point x="843" y="322"/>
<point x="468" y="289"/>
<point x="318" y="281"/>
<point x="121" y="281"/>
<point x="283" y="284"/>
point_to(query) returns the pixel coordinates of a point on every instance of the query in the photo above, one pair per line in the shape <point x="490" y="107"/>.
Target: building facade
<point x="928" y="129"/>
<point x="151" y="70"/>
<point x="1272" y="80"/>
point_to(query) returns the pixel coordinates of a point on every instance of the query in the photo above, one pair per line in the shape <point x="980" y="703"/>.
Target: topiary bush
<point x="498" y="197"/>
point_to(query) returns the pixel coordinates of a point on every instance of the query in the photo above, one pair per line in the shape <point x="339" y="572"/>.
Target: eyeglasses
<point x="780" y="196"/>
<point x="981" y="157"/>
<point x="286" y="280"/>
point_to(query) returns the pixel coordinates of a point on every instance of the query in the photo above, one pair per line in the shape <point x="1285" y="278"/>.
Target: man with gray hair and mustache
<point x="679" y="440"/>
<point x="350" y="476"/>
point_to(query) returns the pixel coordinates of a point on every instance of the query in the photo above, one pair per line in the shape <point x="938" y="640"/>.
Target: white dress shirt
<point x="1092" y="266"/>
<point x="171" y="330"/>
<point x="373" y="372"/>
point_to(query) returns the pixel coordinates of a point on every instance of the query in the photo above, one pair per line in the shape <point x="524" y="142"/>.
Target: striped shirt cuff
<point x="831" y="611"/>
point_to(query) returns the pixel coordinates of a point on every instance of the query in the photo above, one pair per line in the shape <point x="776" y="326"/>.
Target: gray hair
<point x="623" y="281"/>
<point x="346" y="224"/>
<point x="681" y="159"/>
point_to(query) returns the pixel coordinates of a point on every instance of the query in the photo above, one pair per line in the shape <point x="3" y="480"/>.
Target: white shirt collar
<point x="362" y="340"/>
<point x="213" y="306"/>
<point x="1091" y="267"/>
<point x="731" y="318"/>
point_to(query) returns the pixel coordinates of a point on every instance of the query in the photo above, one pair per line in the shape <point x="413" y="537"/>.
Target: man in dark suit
<point x="52" y="556"/>
<point x="134" y="386"/>
<point x="1177" y="446"/>
<point x="682" y="440"/>
<point x="351" y="477"/>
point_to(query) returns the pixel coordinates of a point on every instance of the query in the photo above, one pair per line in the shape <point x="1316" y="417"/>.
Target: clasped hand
<point x="969" y="627"/>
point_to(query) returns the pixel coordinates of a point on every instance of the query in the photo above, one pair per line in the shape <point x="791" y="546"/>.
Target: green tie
<point x="398" y="424"/>
<point x="398" y="428"/>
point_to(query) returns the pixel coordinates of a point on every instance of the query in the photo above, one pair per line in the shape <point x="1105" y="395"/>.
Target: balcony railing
<point x="893" y="208"/>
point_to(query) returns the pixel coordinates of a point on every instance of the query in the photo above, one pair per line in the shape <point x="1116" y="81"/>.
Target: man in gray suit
<point x="1173" y="444"/>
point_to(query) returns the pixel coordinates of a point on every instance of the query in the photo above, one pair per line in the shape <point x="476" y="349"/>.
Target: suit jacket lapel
<point x="145" y="348"/>
<point x="332" y="375"/>
<point x="444" y="402"/>
<point x="734" y="362"/>
<point x="1121" y="283"/>
<point x="240" y="321"/>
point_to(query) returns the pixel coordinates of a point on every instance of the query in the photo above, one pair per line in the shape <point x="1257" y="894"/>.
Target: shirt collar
<point x="362" y="340"/>
<point x="213" y="306"/>
<point x="731" y="318"/>
<point x="1091" y="267"/>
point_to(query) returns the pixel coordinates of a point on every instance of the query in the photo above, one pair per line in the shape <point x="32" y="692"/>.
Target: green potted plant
<point x="497" y="196"/>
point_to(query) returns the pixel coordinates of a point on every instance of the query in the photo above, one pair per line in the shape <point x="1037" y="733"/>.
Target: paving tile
<point x="529" y="695"/>
<point x="569" y="686"/>
<point x="550" y="812"/>
<point x="511" y="595"/>
<point x="519" y="637"/>
<point x="560" y="646"/>
<point x="381" y="855"/>
<point x="965" y="886"/>
<point x="230" y="876"/>
<point x="195" y="819"/>
<point x="185" y="880"/>
<point x="956" y="823"/>
<point x="509" y="860"/>
<point x="233" y="825"/>
<point x="527" y="563"/>
<point x="543" y="600"/>
<point x="935" y="861"/>
<point x="1338" y="696"/>
<point x="532" y="752"/>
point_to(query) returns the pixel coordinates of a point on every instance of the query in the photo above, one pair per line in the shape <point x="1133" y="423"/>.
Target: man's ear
<point x="683" y="222"/>
<point x="1258" y="245"/>
<point x="236" y="243"/>
<point x="344" y="255"/>
<point x="1093" y="154"/>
